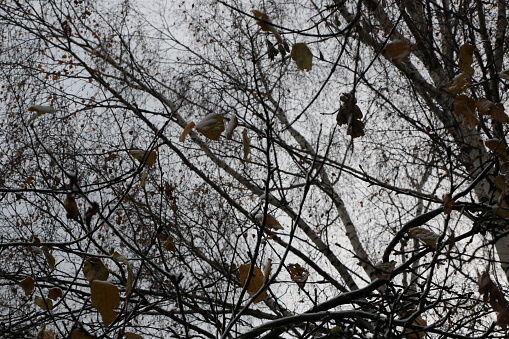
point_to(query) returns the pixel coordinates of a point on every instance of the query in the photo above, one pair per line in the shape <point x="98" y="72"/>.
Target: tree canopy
<point x="226" y="169"/>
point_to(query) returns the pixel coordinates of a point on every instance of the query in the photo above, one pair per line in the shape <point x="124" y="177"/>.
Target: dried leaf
<point x="492" y="295"/>
<point x="255" y="283"/>
<point x="55" y="293"/>
<point x="130" y="335"/>
<point x="45" y="334"/>
<point x="186" y="131"/>
<point x="466" y="58"/>
<point x="71" y="207"/>
<point x="484" y="106"/>
<point x="246" y="145"/>
<point x="79" y="333"/>
<point x="424" y="235"/>
<point x="266" y="25"/>
<point x="419" y="321"/>
<point x="398" y="50"/>
<point x="302" y="56"/>
<point x="105" y="298"/>
<point x="130" y="276"/>
<point x="464" y="106"/>
<point x="234" y="122"/>
<point x="270" y="222"/>
<point x="498" y="147"/>
<point x="39" y="110"/>
<point x="147" y="158"/>
<point x="44" y="303"/>
<point x="448" y="203"/>
<point x="349" y="113"/>
<point x="94" y="269"/>
<point x="169" y="244"/>
<point x="211" y="126"/>
<point x="459" y="84"/>
<point x="27" y="285"/>
<point x="498" y="113"/>
<point x="93" y="210"/>
<point x="49" y="257"/>
<point x="383" y="270"/>
<point x="504" y="74"/>
<point x="143" y="180"/>
<point x="298" y="274"/>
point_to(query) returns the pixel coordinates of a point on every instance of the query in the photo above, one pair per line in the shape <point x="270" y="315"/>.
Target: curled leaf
<point x="169" y="244"/>
<point x="147" y="158"/>
<point x="298" y="274"/>
<point x="211" y="126"/>
<point x="495" y="297"/>
<point x="186" y="131"/>
<point x="130" y="275"/>
<point x="266" y="25"/>
<point x="466" y="58"/>
<point x="234" y="122"/>
<point x="255" y="283"/>
<point x="38" y="111"/>
<point x="302" y="56"/>
<point x="270" y="221"/>
<point x="49" y="257"/>
<point x="459" y="84"/>
<point x="94" y="269"/>
<point x="55" y="293"/>
<point x="93" y="210"/>
<point x="448" y="203"/>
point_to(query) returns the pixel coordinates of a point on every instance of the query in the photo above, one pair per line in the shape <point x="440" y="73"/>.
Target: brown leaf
<point x="398" y="50"/>
<point x="93" y="210"/>
<point x="94" y="269"/>
<point x="49" y="257"/>
<point x="130" y="276"/>
<point x="148" y="158"/>
<point x="355" y="129"/>
<point x="298" y="274"/>
<point x="105" y="298"/>
<point x="246" y="145"/>
<point x="169" y="244"/>
<point x="448" y="203"/>
<point x="270" y="222"/>
<point x="234" y="122"/>
<point x="424" y="235"/>
<point x="45" y="334"/>
<point x="492" y="295"/>
<point x="78" y="333"/>
<point x="71" y="207"/>
<point x="302" y="56"/>
<point x="498" y="147"/>
<point x="459" y="84"/>
<point x="211" y="126"/>
<point x="27" y="285"/>
<point x="464" y="106"/>
<point x="186" y="131"/>
<point x="266" y="25"/>
<point x="45" y="303"/>
<point x="55" y="293"/>
<point x="484" y="106"/>
<point x="466" y="58"/>
<point x="255" y="283"/>
<point x="498" y="113"/>
<point x="130" y="335"/>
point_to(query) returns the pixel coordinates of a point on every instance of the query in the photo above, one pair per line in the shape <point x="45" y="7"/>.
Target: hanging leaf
<point x="384" y="270"/>
<point x="143" y="180"/>
<point x="49" y="257"/>
<point x="495" y="297"/>
<point x="211" y="126"/>
<point x="71" y="207"/>
<point x="186" y="131"/>
<point x="39" y="110"/>
<point x="266" y="25"/>
<point x="44" y="303"/>
<point x="255" y="283"/>
<point x="465" y="107"/>
<point x="234" y="122"/>
<point x="466" y="58"/>
<point x="45" y="334"/>
<point x="448" y="203"/>
<point x="147" y="158"/>
<point x="270" y="221"/>
<point x="94" y="269"/>
<point x="93" y="210"/>
<point x="246" y="145"/>
<point x="130" y="275"/>
<point x="349" y="113"/>
<point x="498" y="147"/>
<point x="298" y="274"/>
<point x="27" y="285"/>
<point x="169" y="244"/>
<point x="398" y="50"/>
<point x="302" y="56"/>
<point x="504" y="74"/>
<point x="105" y="298"/>
<point x="459" y="84"/>
<point x="130" y="335"/>
<point x="484" y="106"/>
<point x="424" y="235"/>
<point x="55" y="293"/>
<point x="418" y="321"/>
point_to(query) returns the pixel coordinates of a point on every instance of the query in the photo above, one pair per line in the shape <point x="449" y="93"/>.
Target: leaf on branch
<point x="246" y="145"/>
<point x="55" y="293"/>
<point x="255" y="283"/>
<point x="44" y="303"/>
<point x="234" y="122"/>
<point x="384" y="270"/>
<point x="298" y="274"/>
<point x="398" y="50"/>
<point x="130" y="335"/>
<point x="38" y="111"/>
<point x="147" y="158"/>
<point x="492" y="295"/>
<point x="266" y="25"/>
<point x="27" y="285"/>
<point x="94" y="269"/>
<point x="43" y="334"/>
<point x="50" y="259"/>
<point x="498" y="113"/>
<point x="466" y="58"/>
<point x="93" y="210"/>
<point x="459" y="84"/>
<point x="71" y="207"/>
<point x="302" y="56"/>
<point x="424" y="235"/>
<point x="270" y="222"/>
<point x="464" y="106"/>
<point x="130" y="275"/>
<point x="498" y="147"/>
<point x="186" y="131"/>
<point x="211" y="126"/>
<point x="143" y="180"/>
<point x="105" y="298"/>
<point x="350" y="114"/>
<point x="484" y="106"/>
<point x="448" y="203"/>
<point x="169" y="244"/>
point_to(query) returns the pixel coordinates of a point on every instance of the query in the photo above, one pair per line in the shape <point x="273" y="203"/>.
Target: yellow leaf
<point x="211" y="126"/>
<point x="105" y="298"/>
<point x="302" y="56"/>
<point x="55" y="293"/>
<point x="424" y="235"/>
<point x="266" y="25"/>
<point x="130" y="335"/>
<point x="94" y="269"/>
<point x="246" y="145"/>
<point x="44" y="303"/>
<point x="186" y="131"/>
<point x="466" y="59"/>
<point x="398" y="50"/>
<point x="465" y="107"/>
<point x="147" y="158"/>
<point x="459" y="84"/>
<point x="27" y="285"/>
<point x="255" y="283"/>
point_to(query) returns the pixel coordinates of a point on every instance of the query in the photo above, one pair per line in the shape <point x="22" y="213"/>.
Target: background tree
<point x="344" y="174"/>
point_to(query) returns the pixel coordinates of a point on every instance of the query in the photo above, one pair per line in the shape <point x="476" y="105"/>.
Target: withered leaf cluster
<point x="350" y="114"/>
